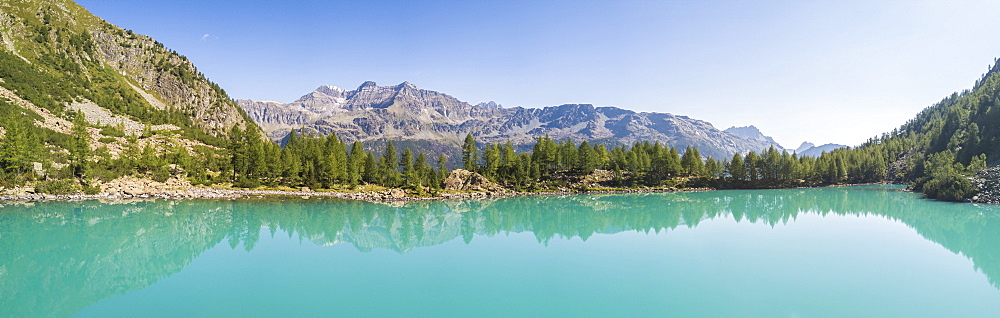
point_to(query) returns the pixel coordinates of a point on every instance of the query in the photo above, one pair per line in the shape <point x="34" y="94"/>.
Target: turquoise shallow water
<point x="853" y="251"/>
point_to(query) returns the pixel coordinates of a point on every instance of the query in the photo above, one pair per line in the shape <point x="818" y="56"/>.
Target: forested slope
<point x="82" y="98"/>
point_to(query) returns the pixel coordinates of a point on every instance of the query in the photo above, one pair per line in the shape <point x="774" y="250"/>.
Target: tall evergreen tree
<point x="18" y="146"/>
<point x="371" y="171"/>
<point x="470" y="154"/>
<point x="237" y="150"/>
<point x="491" y="161"/>
<point x="442" y="167"/>
<point x="387" y="167"/>
<point x="79" y="150"/>
<point x="409" y="171"/>
<point x="691" y="162"/>
<point x="737" y="169"/>
<point x="422" y="173"/>
<point x="355" y="164"/>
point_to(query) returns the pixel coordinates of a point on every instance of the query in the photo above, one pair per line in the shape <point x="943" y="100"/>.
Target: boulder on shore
<point x="465" y="180"/>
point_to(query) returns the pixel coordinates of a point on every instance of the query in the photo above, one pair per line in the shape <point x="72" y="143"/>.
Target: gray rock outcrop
<point x="751" y="132"/>
<point x="465" y="180"/>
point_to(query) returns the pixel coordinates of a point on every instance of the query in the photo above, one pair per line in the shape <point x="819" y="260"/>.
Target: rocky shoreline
<point x="460" y="184"/>
<point x="988" y="182"/>
<point x="390" y="195"/>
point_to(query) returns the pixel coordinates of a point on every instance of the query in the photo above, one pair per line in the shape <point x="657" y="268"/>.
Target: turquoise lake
<point x="848" y="251"/>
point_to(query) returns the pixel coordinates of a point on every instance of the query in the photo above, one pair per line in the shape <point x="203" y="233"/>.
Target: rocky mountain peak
<point x="805" y="146"/>
<point x="808" y="149"/>
<point x="746" y="130"/>
<point x="751" y="132"/>
<point x="324" y="92"/>
<point x="330" y="90"/>
<point x="367" y="85"/>
<point x="489" y="104"/>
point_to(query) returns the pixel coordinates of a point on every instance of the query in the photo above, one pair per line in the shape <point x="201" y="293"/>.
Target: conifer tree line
<point x="327" y="162"/>
<point x="655" y="164"/>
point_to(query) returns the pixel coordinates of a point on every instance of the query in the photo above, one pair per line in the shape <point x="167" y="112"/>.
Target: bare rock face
<point x="751" y="132"/>
<point x="406" y="113"/>
<point x="133" y="69"/>
<point x="465" y="180"/>
<point x="166" y="79"/>
<point x="596" y="178"/>
<point x="139" y="186"/>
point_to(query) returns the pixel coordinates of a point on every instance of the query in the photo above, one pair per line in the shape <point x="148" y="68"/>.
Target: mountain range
<point x="405" y="112"/>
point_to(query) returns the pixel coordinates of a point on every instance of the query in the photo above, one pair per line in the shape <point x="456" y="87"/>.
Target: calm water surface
<point x="856" y="251"/>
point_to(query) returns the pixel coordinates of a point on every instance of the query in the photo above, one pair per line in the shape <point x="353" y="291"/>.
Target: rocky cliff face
<point x="751" y="132"/>
<point x="88" y="58"/>
<point x="405" y="112"/>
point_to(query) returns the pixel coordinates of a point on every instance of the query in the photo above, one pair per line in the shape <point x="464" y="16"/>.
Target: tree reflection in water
<point x="77" y="253"/>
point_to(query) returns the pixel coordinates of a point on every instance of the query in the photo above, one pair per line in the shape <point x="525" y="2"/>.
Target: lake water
<point x="852" y="251"/>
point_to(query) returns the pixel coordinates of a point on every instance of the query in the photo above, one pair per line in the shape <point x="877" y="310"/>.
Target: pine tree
<point x="737" y="169"/>
<point x="691" y="162"/>
<point x="491" y="161"/>
<point x="339" y="160"/>
<point x="387" y="167"/>
<point x="292" y="165"/>
<point x="508" y="161"/>
<point x="601" y="156"/>
<point x="567" y="154"/>
<point x="409" y="172"/>
<point x="18" y="146"/>
<point x="713" y="169"/>
<point x="370" y="173"/>
<point x="586" y="158"/>
<point x="238" y="152"/>
<point x="422" y="171"/>
<point x="355" y="164"/>
<point x="442" y="167"/>
<point x="673" y="162"/>
<point x="256" y="157"/>
<point x="752" y="163"/>
<point x="79" y="149"/>
<point x="470" y="154"/>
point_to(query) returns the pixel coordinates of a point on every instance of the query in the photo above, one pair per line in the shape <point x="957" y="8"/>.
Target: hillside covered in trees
<point x="86" y="101"/>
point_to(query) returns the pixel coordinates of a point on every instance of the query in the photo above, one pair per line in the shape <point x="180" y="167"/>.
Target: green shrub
<point x="103" y="172"/>
<point x="112" y="131"/>
<point x="246" y="183"/>
<point x="91" y="190"/>
<point x="949" y="188"/>
<point x="57" y="187"/>
<point x="11" y="179"/>
<point x="160" y="174"/>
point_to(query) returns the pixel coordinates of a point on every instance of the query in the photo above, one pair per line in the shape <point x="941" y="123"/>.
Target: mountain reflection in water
<point x="73" y="254"/>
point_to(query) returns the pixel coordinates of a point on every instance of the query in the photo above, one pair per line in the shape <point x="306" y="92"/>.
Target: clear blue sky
<point x="837" y="71"/>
